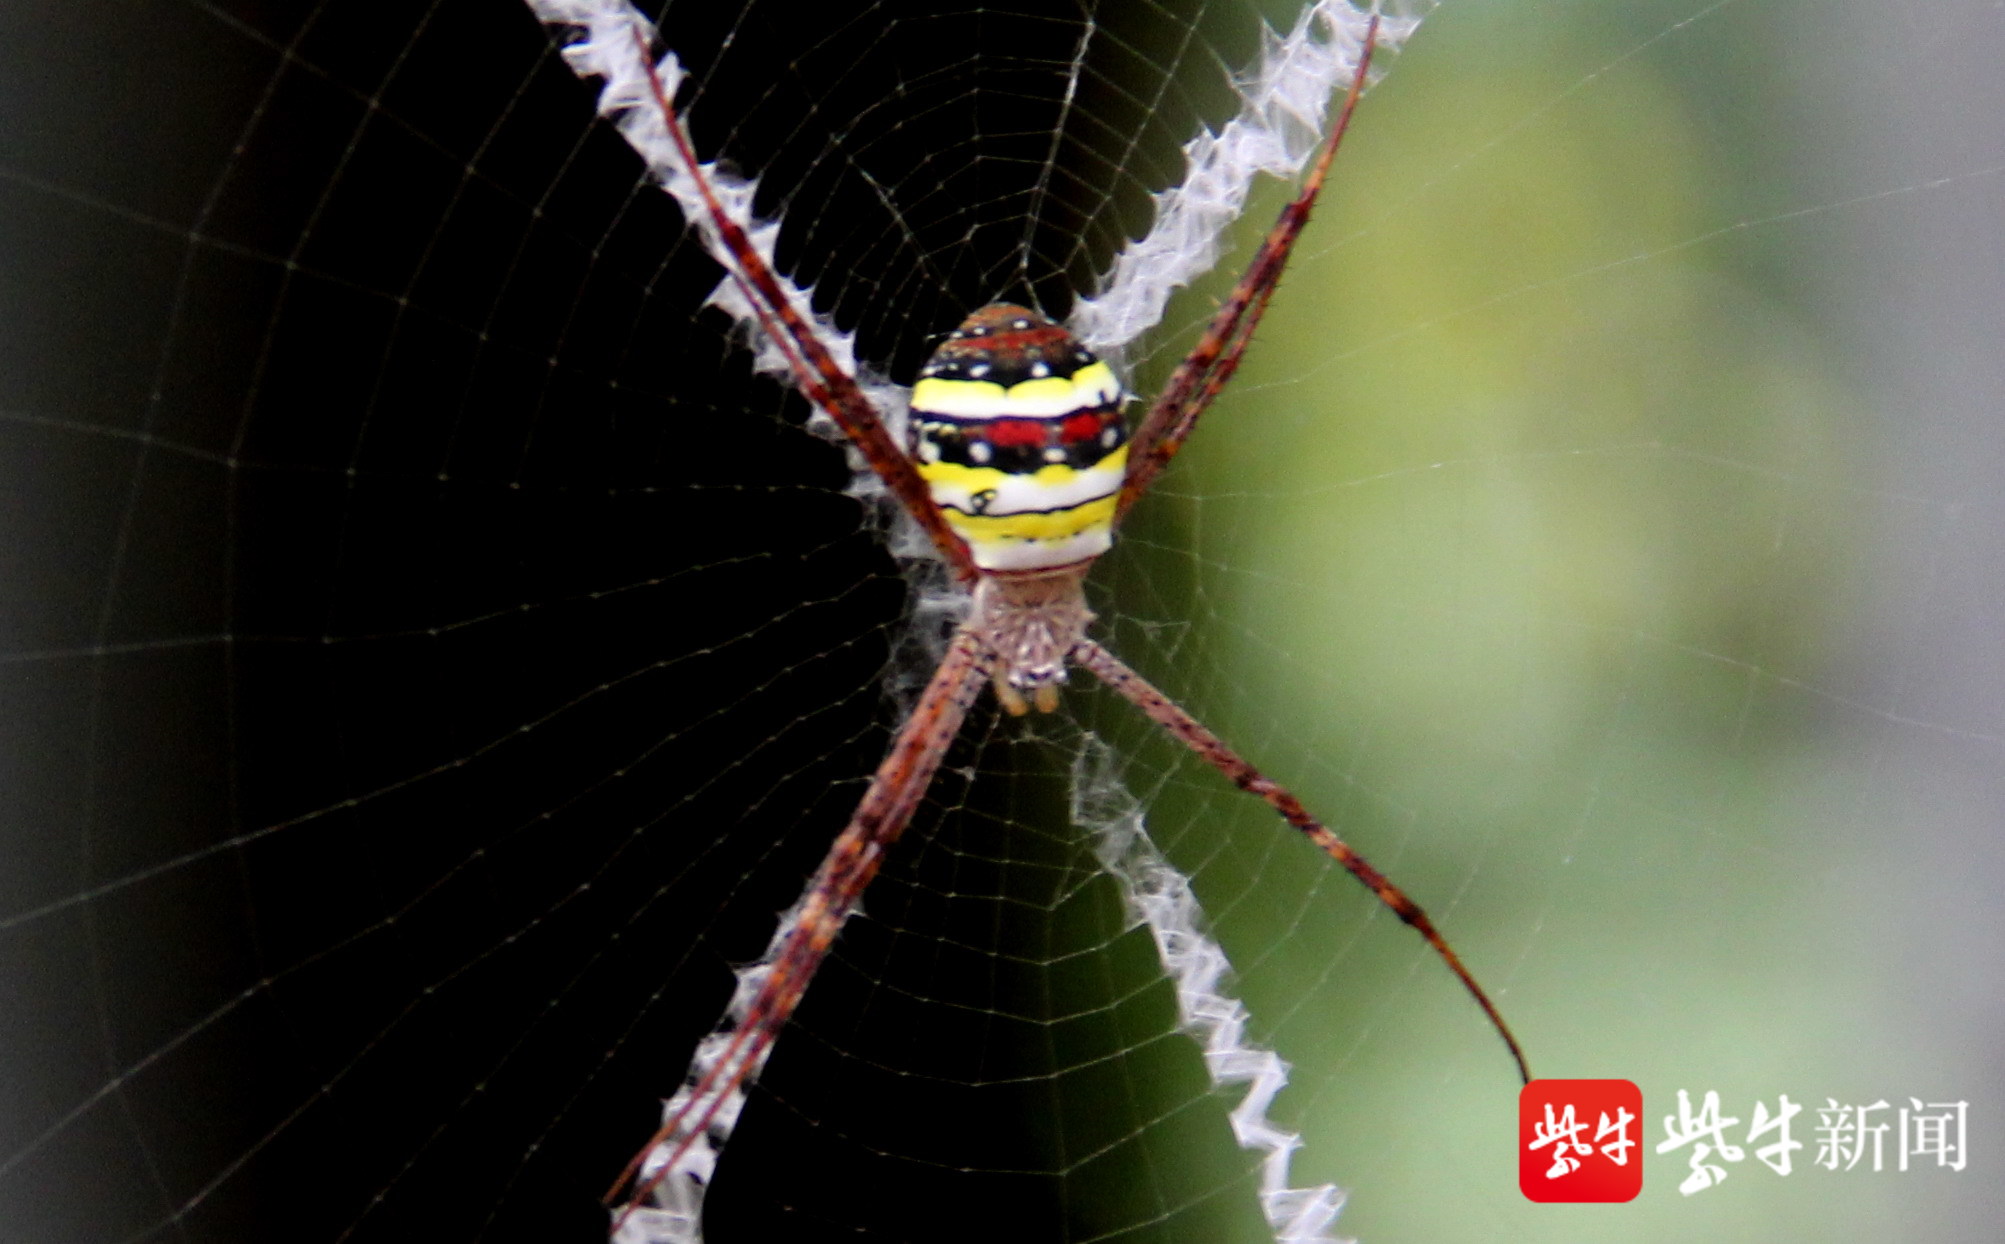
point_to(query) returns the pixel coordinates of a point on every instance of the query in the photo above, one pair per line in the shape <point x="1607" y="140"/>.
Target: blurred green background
<point x="1602" y="532"/>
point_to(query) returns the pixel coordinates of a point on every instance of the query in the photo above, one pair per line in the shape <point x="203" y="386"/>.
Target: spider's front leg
<point x="674" y="1166"/>
<point x="1171" y="716"/>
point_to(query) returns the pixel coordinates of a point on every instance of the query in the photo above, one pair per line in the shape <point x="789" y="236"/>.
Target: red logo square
<point x="1580" y="1140"/>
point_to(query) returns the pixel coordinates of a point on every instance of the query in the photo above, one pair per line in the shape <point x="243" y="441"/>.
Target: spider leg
<point x="1204" y="371"/>
<point x="1164" y="712"/>
<point x="825" y="382"/>
<point x="831" y="896"/>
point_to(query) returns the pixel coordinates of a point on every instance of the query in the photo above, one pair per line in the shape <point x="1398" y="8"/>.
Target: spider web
<point x="433" y="655"/>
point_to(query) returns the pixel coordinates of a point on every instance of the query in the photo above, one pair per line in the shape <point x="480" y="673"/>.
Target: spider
<point x="1018" y="467"/>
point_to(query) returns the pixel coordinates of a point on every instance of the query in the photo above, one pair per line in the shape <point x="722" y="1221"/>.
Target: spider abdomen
<point x="1017" y="431"/>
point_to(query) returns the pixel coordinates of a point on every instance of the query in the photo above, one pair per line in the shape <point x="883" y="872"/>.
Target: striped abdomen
<point x="1017" y="431"/>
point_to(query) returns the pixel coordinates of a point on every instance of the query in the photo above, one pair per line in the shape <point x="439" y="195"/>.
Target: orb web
<point x="436" y="652"/>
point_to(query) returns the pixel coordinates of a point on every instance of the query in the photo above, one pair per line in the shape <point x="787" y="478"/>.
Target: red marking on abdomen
<point x="1009" y="433"/>
<point x="1082" y="427"/>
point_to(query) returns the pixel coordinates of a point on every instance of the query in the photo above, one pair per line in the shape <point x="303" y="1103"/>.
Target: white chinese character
<point x="1777" y="1154"/>
<point x="1931" y="1132"/>
<point x="1619" y="1148"/>
<point x="1686" y="1128"/>
<point x="1567" y="1133"/>
<point x="1844" y="1132"/>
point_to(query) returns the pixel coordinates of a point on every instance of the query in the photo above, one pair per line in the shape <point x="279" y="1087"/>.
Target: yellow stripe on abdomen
<point x="1050" y="527"/>
<point x="1054" y="517"/>
<point x="1092" y="385"/>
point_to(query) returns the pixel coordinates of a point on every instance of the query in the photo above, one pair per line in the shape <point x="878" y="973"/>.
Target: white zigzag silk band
<point x="1284" y="102"/>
